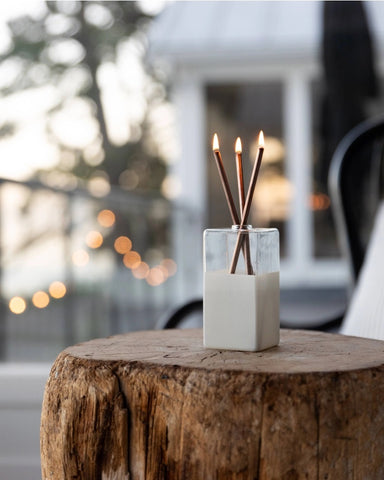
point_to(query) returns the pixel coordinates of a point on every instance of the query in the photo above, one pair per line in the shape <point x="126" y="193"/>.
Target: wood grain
<point x="157" y="405"/>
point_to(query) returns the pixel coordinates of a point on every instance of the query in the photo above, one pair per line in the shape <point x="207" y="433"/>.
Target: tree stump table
<point x="158" y="405"/>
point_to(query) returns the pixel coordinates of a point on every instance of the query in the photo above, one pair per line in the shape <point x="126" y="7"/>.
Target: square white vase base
<point x="241" y="312"/>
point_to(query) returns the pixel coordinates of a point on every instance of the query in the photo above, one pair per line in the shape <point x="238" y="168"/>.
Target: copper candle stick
<point x="224" y="180"/>
<point x="239" y="169"/>
<point x="248" y="201"/>
<point x="240" y="184"/>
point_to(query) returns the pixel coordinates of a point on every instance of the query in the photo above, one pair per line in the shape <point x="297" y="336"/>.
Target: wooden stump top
<point x="157" y="405"/>
<point x="299" y="351"/>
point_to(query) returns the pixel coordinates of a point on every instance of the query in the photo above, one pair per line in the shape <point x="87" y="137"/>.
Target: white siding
<point x="21" y="395"/>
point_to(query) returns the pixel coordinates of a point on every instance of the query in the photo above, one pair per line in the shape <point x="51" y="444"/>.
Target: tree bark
<point x="157" y="405"/>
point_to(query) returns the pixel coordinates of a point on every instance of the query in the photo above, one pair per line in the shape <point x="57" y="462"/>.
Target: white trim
<point x="24" y="369"/>
<point x="188" y="95"/>
<point x="190" y="169"/>
<point x="240" y="73"/>
<point x="18" y="461"/>
<point x="327" y="272"/>
<point x="22" y="385"/>
<point x="296" y="112"/>
<point x="21" y="395"/>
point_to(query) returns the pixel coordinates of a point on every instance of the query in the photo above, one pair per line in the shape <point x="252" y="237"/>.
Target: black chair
<point x="356" y="183"/>
<point x="179" y="314"/>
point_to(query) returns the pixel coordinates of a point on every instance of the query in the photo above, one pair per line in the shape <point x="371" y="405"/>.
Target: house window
<point x="242" y="110"/>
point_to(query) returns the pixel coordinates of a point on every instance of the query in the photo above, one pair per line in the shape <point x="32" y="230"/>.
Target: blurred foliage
<point x="65" y="46"/>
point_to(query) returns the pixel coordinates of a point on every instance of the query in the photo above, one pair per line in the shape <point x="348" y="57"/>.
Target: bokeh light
<point x="80" y="257"/>
<point x="155" y="277"/>
<point x="153" y="256"/>
<point x="94" y="239"/>
<point x="164" y="270"/>
<point x="132" y="259"/>
<point x="17" y="305"/>
<point x="141" y="271"/>
<point x="170" y="266"/>
<point x="57" y="289"/>
<point x="319" y="201"/>
<point x="129" y="180"/>
<point x="171" y="187"/>
<point x="40" y="299"/>
<point x="122" y="244"/>
<point x="106" y="218"/>
<point x="99" y="186"/>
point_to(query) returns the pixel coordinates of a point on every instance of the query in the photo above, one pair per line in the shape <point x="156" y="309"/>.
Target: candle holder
<point x="241" y="309"/>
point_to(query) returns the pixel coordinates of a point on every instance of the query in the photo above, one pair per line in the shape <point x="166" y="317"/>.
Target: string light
<point x="106" y="218"/>
<point x="122" y="244"/>
<point x="132" y="259"/>
<point x="40" y="299"/>
<point x="80" y="258"/>
<point x="141" y="271"/>
<point x="94" y="239"/>
<point x="57" y="289"/>
<point x="17" y="305"/>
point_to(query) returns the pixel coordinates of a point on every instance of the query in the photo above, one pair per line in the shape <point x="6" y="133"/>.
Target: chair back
<point x="356" y="186"/>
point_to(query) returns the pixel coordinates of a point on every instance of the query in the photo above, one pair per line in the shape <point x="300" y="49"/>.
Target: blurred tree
<point x="83" y="62"/>
<point x="76" y="47"/>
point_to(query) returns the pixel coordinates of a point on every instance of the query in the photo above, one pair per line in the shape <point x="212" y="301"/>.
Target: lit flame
<point x="215" y="143"/>
<point x="261" y="139"/>
<point x="238" y="146"/>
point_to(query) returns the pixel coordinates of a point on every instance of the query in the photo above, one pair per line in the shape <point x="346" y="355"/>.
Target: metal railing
<point x="51" y="235"/>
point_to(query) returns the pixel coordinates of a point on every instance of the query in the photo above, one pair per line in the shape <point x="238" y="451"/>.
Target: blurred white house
<point x="235" y="68"/>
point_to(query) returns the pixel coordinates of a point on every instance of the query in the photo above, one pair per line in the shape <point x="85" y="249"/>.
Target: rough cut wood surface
<point x="157" y="405"/>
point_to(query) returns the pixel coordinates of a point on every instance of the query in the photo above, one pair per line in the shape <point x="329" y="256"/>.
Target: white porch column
<point x="297" y="125"/>
<point x="190" y="170"/>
